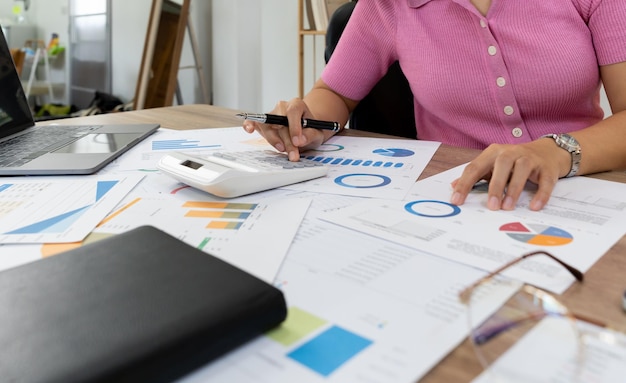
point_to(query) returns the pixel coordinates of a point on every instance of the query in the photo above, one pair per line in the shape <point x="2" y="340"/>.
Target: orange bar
<point x="219" y="205"/>
<point x="118" y="212"/>
<point x="217" y="214"/>
<point x="206" y="205"/>
<point x="223" y="225"/>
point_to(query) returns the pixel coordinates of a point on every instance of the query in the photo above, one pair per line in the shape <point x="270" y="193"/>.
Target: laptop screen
<point x="15" y="114"/>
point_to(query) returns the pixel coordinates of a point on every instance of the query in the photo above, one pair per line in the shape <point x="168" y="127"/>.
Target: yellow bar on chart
<point x="219" y="205"/>
<point x="224" y="225"/>
<point x="217" y="214"/>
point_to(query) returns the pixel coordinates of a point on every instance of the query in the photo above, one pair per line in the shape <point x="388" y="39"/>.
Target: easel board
<point x="157" y="81"/>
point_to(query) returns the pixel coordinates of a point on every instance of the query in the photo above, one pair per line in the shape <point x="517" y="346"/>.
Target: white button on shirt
<point x="483" y="23"/>
<point x="501" y="81"/>
<point x="492" y="50"/>
<point x="508" y="110"/>
<point x="517" y="132"/>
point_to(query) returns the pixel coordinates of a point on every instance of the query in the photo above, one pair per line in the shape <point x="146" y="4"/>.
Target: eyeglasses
<point x="505" y="315"/>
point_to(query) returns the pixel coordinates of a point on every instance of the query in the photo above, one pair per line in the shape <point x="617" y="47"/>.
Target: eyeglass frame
<point x="465" y="294"/>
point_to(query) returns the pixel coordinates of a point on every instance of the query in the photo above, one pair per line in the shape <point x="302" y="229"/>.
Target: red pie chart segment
<point x="536" y="234"/>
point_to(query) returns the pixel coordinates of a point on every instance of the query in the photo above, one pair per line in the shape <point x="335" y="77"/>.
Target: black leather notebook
<point x="137" y="307"/>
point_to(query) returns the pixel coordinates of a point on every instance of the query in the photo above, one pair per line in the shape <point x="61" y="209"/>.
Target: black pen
<point x="282" y="120"/>
<point x="482" y="185"/>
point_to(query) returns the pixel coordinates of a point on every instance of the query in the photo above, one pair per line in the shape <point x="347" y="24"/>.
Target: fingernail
<point x="295" y="140"/>
<point x="493" y="203"/>
<point x="456" y="198"/>
<point x="280" y="147"/>
<point x="508" y="204"/>
<point x="536" y="205"/>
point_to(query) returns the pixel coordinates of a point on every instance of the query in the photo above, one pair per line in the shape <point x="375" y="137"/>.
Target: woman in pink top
<point x="497" y="75"/>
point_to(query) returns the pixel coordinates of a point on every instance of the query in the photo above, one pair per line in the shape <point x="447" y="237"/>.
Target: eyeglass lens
<point x="494" y="332"/>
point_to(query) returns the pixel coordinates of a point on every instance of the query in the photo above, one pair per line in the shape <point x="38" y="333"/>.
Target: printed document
<point x="58" y="209"/>
<point x="360" y="310"/>
<point x="582" y="220"/>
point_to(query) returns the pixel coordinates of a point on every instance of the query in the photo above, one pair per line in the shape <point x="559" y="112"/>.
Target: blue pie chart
<point x="394" y="152"/>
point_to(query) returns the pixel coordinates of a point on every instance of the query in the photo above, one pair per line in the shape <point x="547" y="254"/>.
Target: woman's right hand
<point x="292" y="139"/>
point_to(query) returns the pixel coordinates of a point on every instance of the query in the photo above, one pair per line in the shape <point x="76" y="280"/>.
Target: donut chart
<point x="537" y="234"/>
<point x="432" y="209"/>
<point x="362" y="180"/>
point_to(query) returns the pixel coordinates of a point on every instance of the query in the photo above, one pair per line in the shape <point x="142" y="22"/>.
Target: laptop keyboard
<point x="36" y="142"/>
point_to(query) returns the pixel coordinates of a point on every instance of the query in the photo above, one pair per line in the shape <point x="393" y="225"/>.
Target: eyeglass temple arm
<point x="465" y="294"/>
<point x="574" y="271"/>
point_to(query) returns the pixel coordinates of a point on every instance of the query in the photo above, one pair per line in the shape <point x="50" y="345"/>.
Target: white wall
<point x="255" y="53"/>
<point x="129" y="23"/>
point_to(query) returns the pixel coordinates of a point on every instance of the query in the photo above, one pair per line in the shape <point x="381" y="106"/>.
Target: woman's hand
<point x="509" y="167"/>
<point x="294" y="138"/>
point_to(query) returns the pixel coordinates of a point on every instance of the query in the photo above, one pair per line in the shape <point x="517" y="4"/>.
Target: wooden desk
<point x="598" y="297"/>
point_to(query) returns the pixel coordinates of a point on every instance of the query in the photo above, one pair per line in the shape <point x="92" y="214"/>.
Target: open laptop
<point x="27" y="149"/>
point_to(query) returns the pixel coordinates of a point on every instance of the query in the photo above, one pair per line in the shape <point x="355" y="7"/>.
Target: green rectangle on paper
<point x="298" y="325"/>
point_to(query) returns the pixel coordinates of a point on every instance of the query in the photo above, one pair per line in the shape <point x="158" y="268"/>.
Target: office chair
<point x="388" y="108"/>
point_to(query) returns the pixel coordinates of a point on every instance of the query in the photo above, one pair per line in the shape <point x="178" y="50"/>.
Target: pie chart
<point x="537" y="234"/>
<point x="394" y="152"/>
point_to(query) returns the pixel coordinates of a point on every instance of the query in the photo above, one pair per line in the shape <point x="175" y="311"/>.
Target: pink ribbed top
<point x="529" y="68"/>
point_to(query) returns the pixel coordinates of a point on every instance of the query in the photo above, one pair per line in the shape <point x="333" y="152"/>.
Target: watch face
<point x="568" y="142"/>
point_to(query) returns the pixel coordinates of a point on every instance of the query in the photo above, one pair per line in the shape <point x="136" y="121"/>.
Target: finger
<point x="292" y="151"/>
<point x="296" y="109"/>
<point x="498" y="183"/>
<point x="479" y="168"/>
<point x="459" y="193"/>
<point x="314" y="138"/>
<point x="517" y="180"/>
<point x="272" y="135"/>
<point x="249" y="126"/>
<point x="546" y="185"/>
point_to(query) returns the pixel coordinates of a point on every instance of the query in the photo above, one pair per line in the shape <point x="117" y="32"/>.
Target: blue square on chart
<point x="329" y="350"/>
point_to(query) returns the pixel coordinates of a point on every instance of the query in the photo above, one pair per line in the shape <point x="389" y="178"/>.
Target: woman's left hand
<point x="508" y="168"/>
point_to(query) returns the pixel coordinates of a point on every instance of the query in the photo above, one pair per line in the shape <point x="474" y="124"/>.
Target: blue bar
<point x="178" y="144"/>
<point x="4" y="187"/>
<point x="346" y="161"/>
<point x="329" y="350"/>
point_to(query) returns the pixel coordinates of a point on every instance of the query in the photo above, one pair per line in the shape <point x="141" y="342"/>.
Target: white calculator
<point x="233" y="174"/>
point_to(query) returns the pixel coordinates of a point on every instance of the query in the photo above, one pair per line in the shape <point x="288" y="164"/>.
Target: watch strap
<point x="571" y="145"/>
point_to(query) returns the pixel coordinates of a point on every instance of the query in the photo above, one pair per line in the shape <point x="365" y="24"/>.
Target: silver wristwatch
<point x="570" y="144"/>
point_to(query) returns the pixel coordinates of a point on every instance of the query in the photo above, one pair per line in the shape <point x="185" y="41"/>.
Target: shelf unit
<point x="304" y="33"/>
<point x="43" y="86"/>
